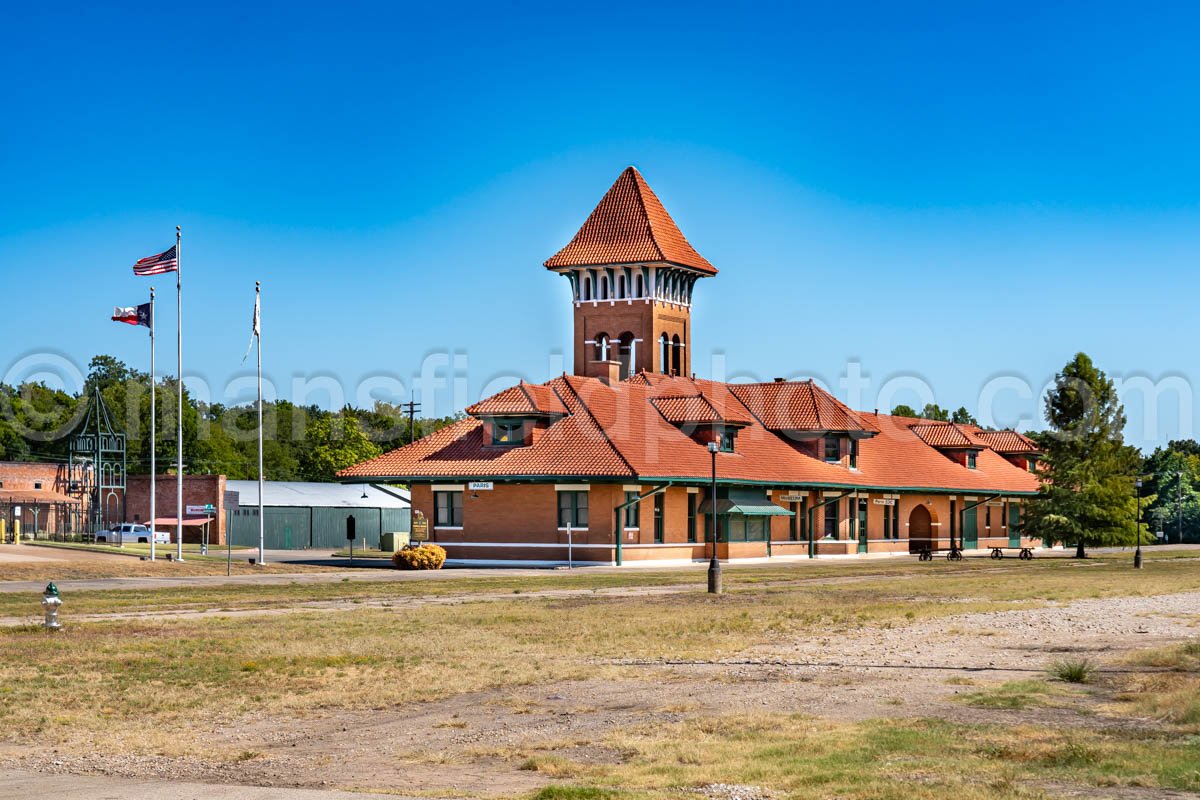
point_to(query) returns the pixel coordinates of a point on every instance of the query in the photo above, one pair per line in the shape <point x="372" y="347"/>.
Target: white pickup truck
<point x="132" y="533"/>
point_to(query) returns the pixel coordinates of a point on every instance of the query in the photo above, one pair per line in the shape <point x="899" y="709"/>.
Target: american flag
<point x="156" y="265"/>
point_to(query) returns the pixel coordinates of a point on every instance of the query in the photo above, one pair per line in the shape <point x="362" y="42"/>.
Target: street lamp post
<point x="1137" y="527"/>
<point x="714" y="566"/>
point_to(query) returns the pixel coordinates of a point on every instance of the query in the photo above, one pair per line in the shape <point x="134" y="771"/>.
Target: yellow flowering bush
<point x="424" y="556"/>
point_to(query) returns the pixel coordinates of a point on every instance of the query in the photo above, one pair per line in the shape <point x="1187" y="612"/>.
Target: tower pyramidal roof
<point x="630" y="225"/>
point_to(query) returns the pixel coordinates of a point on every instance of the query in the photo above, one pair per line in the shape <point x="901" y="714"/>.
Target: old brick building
<point x="615" y="458"/>
<point x="35" y="498"/>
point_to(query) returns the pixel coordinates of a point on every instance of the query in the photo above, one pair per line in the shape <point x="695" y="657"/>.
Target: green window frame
<point x="572" y="509"/>
<point x="896" y="520"/>
<point x="633" y="513"/>
<point x="854" y="454"/>
<point x="659" y="500"/>
<point x="887" y="522"/>
<point x="691" y="528"/>
<point x="833" y="449"/>
<point x="972" y="459"/>
<point x="793" y="523"/>
<point x="508" y="432"/>
<point x="864" y="518"/>
<point x="831" y="519"/>
<point x="448" y="508"/>
<point x="727" y="437"/>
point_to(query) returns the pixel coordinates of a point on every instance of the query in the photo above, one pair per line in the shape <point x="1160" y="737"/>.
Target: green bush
<point x="1073" y="671"/>
<point x="424" y="556"/>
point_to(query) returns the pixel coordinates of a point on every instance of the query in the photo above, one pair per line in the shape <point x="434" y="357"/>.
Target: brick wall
<point x="22" y="476"/>
<point x="198" y="490"/>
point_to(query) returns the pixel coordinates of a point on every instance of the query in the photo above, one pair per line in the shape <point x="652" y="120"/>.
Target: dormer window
<point x="727" y="437"/>
<point x="972" y="459"/>
<point x="833" y="449"/>
<point x="853" y="454"/>
<point x="508" y="432"/>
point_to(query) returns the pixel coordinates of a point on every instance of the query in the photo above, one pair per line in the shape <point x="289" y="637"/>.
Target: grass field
<point x="162" y="686"/>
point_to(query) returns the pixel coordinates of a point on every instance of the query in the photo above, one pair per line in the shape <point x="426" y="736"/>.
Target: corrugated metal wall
<point x="295" y="528"/>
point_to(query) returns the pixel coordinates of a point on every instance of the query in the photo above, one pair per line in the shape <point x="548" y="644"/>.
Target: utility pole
<point x="412" y="409"/>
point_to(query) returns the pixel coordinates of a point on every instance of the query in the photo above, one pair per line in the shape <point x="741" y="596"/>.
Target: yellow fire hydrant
<point x="50" y="603"/>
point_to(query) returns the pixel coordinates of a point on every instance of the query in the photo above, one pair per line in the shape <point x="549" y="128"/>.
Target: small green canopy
<point x="748" y="502"/>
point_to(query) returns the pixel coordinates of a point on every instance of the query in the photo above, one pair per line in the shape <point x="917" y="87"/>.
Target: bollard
<point x="50" y="603"/>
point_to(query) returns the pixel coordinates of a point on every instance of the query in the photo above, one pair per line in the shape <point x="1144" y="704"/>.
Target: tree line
<point x="299" y="442"/>
<point x="1089" y="496"/>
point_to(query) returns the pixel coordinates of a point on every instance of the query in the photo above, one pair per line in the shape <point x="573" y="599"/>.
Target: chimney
<point x="608" y="372"/>
<point x="781" y="380"/>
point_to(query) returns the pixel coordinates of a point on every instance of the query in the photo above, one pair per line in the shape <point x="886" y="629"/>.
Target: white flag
<point x="254" y="331"/>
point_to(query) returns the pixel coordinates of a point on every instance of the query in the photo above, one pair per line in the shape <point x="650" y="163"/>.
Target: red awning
<point x="187" y="521"/>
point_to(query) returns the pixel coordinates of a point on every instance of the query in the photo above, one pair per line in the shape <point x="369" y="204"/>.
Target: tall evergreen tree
<point x="1087" y="495"/>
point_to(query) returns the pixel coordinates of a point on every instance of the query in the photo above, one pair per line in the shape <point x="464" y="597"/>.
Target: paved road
<point x="17" y="785"/>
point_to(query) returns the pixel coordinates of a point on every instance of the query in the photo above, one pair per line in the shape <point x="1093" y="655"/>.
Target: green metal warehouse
<point x="299" y="516"/>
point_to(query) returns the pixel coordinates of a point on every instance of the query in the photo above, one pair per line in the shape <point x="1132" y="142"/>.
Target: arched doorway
<point x="920" y="530"/>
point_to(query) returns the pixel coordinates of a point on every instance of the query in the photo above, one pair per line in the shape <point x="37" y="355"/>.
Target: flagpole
<point x="258" y="338"/>
<point x="179" y="387"/>
<point x="153" y="414"/>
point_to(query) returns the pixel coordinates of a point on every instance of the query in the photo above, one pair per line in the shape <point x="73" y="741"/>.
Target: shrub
<point x="1073" y="670"/>
<point x="424" y="556"/>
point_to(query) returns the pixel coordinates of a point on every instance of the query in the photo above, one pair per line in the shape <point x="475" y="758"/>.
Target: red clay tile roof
<point x="945" y="435"/>
<point x="1008" y="442"/>
<point x="630" y="226"/>
<point x="798" y="406"/>
<point x="696" y="409"/>
<point x="617" y="432"/>
<point x="572" y="446"/>
<point x="522" y="400"/>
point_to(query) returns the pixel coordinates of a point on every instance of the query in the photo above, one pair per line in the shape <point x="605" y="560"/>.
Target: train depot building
<point x="614" y="461"/>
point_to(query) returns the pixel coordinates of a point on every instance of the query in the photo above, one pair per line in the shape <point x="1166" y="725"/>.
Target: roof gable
<point x="630" y="225"/>
<point x="522" y="400"/>
<point x="799" y="406"/>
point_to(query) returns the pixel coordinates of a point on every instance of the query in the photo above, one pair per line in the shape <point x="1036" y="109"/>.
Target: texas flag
<point x="132" y="315"/>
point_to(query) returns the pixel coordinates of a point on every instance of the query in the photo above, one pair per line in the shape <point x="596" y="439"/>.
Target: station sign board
<point x="420" y="527"/>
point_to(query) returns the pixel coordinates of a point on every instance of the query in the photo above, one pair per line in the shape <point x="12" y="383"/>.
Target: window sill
<point x="447" y="527"/>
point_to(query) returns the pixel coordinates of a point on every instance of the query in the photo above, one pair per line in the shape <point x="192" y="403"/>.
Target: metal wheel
<point x="997" y="552"/>
<point x="954" y="555"/>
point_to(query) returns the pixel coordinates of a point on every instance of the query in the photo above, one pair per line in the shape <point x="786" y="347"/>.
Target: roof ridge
<point x="582" y="404"/>
<point x="638" y="183"/>
<point x="528" y="397"/>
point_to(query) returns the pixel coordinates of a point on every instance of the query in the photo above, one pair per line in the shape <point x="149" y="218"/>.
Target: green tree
<point x="1175" y="476"/>
<point x="903" y="410"/>
<point x="1087" y="495"/>
<point x="963" y="417"/>
<point x="334" y="442"/>
<point x="935" y="412"/>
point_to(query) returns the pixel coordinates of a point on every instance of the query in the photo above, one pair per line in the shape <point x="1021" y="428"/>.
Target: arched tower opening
<point x="630" y="249"/>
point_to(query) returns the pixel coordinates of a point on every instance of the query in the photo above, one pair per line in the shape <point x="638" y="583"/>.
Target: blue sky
<point x="960" y="195"/>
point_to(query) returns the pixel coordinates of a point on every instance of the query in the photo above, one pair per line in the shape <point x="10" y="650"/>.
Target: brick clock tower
<point x="631" y="273"/>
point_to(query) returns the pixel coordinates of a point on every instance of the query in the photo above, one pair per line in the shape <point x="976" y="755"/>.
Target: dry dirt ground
<point x="474" y="744"/>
